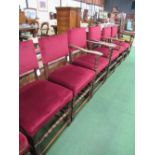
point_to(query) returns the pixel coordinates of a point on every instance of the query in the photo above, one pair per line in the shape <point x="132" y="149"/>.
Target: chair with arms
<point x="95" y="36"/>
<point x="92" y="59"/>
<point x="125" y="44"/>
<point x="75" y="78"/>
<point x="43" y="111"/>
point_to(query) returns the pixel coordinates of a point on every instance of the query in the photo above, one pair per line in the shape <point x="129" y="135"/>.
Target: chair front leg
<point x="46" y="71"/>
<point x="110" y="60"/>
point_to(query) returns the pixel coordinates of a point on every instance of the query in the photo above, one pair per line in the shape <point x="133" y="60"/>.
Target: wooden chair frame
<point x="62" y="117"/>
<point x="101" y="76"/>
<point x="119" y="59"/>
<point x="123" y="55"/>
<point x="121" y="39"/>
<point x="112" y="64"/>
<point x="81" y="98"/>
<point x="132" y="35"/>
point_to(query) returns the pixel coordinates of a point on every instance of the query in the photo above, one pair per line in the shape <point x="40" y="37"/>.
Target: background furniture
<point x="67" y="17"/>
<point x="22" y="18"/>
<point x="128" y="19"/>
<point x="44" y="29"/>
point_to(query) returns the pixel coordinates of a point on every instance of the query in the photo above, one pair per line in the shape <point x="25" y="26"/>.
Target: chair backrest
<point x="106" y="32"/>
<point x="77" y="36"/>
<point x="94" y="33"/>
<point x="114" y="31"/>
<point x="44" y="28"/>
<point x="53" y="47"/>
<point x="27" y="57"/>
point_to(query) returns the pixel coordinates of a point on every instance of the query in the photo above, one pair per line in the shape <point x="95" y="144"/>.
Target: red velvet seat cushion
<point x="88" y="61"/>
<point x="120" y="48"/>
<point x="106" y="53"/>
<point x="72" y="77"/>
<point x="23" y="143"/>
<point x="39" y="101"/>
<point x="124" y="44"/>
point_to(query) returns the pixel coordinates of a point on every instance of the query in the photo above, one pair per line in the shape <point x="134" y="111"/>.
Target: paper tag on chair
<point x="67" y="58"/>
<point x="38" y="72"/>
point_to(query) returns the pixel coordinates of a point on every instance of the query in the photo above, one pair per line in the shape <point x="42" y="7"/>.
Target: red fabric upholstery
<point x="106" y="53"/>
<point x="39" y="102"/>
<point x="88" y="61"/>
<point x="121" y="49"/>
<point x="94" y="33"/>
<point x="124" y="45"/>
<point x="23" y="144"/>
<point x="106" y="32"/>
<point x="53" y="47"/>
<point x="27" y="57"/>
<point x="77" y="36"/>
<point x="114" y="30"/>
<point x="72" y="77"/>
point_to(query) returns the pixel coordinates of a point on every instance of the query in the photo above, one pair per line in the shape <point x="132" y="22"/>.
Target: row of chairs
<point x="47" y="107"/>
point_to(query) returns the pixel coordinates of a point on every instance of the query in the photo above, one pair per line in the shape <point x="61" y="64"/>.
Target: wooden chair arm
<point x="86" y="50"/>
<point x="96" y="53"/>
<point x="110" y="45"/>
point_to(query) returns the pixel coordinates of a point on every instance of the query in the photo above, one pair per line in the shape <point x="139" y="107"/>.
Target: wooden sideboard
<point x="67" y="17"/>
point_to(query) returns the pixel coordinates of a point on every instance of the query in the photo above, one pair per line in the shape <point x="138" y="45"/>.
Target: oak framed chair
<point x="91" y="59"/>
<point x="107" y="33"/>
<point x="44" y="112"/>
<point x="95" y="36"/>
<point x="75" y="78"/>
<point x="121" y="41"/>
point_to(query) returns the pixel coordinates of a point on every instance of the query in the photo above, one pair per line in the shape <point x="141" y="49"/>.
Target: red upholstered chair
<point x="75" y="78"/>
<point x="23" y="144"/>
<point x="107" y="33"/>
<point x="44" y="107"/>
<point x="95" y="36"/>
<point x="124" y="44"/>
<point x="90" y="59"/>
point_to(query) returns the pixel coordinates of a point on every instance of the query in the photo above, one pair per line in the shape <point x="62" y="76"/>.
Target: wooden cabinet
<point x="22" y="18"/>
<point x="67" y="17"/>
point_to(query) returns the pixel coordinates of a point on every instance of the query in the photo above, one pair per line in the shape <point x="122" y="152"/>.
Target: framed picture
<point x="30" y="13"/>
<point x="42" y="5"/>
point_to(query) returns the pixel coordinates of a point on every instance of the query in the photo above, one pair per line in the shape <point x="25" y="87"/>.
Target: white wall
<point x="44" y="15"/>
